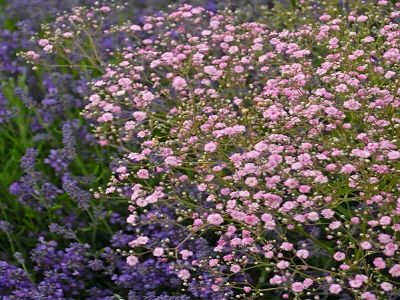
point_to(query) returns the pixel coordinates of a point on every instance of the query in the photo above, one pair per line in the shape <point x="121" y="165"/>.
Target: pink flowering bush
<point x="279" y="147"/>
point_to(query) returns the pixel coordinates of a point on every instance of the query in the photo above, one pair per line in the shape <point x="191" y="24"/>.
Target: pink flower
<point x="313" y="216"/>
<point x="335" y="289"/>
<point x="325" y="17"/>
<point x="368" y="296"/>
<point x="210" y="147"/>
<point x="339" y="256"/>
<point x="352" y="104"/>
<point x="158" y="252"/>
<point x="147" y="96"/>
<point x="348" y="168"/>
<point x="277" y="279"/>
<point x="48" y="48"/>
<point x="297" y="287"/>
<point x="107" y="117"/>
<point x="291" y="183"/>
<point x="135" y="28"/>
<point x="302" y="253"/>
<point x="366" y="245"/>
<point x="251" y="181"/>
<point x="362" y="19"/>
<point x="333" y="43"/>
<point x="186" y="254"/>
<point x="213" y="262"/>
<point x="379" y="263"/>
<point x="32" y="55"/>
<point x="131" y="219"/>
<point x="257" y="155"/>
<point x="341" y="88"/>
<point x="198" y="222"/>
<point x="184" y="274"/>
<point x="239" y="69"/>
<point x="179" y="83"/>
<point x="327" y="213"/>
<point x="210" y="70"/>
<point x="390" y="249"/>
<point x="215" y="288"/>
<point x="124" y="82"/>
<point x="269" y="221"/>
<point x="358" y="281"/>
<point x="235" y="269"/>
<point x="43" y="42"/>
<point x="355" y="283"/>
<point x="147" y="26"/>
<point x="172" y="161"/>
<point x="261" y="146"/>
<point x="215" y="219"/>
<point x="283" y="264"/>
<point x="105" y="9"/>
<point x="308" y="282"/>
<point x="334" y="225"/>
<point x="392" y="155"/>
<point x="287" y="246"/>
<point x="142" y="240"/>
<point x="139" y="116"/>
<point x="385" y="220"/>
<point x="386" y="286"/>
<point x="395" y="270"/>
<point x="384" y="238"/>
<point x="202" y="187"/>
<point x="143" y="174"/>
<point x="368" y="39"/>
<point x="132" y="260"/>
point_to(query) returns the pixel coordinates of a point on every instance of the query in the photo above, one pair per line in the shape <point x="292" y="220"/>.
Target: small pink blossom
<point x="179" y="83"/>
<point x="158" y="252"/>
<point x="251" y="181"/>
<point x="302" y="253"/>
<point x="335" y="289"/>
<point x="215" y="219"/>
<point x="386" y="286"/>
<point x="139" y="116"/>
<point x="392" y="155"/>
<point x="132" y="260"/>
<point x="210" y="147"/>
<point x="366" y="245"/>
<point x="385" y="220"/>
<point x="339" y="256"/>
<point x="210" y="70"/>
<point x="297" y="287"/>
<point x="184" y="274"/>
<point x="379" y="263"/>
<point x="235" y="268"/>
<point x="283" y="264"/>
<point x="362" y="19"/>
<point x="143" y="174"/>
<point x="395" y="270"/>
<point x="352" y="105"/>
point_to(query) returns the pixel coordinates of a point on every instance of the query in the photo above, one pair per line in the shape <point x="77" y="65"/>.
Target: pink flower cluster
<point x="281" y="148"/>
<point x="74" y="38"/>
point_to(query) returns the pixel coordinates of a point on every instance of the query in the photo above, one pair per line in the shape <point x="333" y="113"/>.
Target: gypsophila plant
<point x="280" y="148"/>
